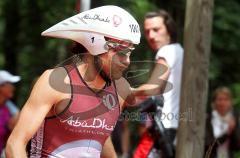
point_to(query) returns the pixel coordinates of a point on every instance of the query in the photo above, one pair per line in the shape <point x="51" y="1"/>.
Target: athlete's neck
<point x="90" y="74"/>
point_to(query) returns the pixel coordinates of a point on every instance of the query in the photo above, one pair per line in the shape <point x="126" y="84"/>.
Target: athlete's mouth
<point x="122" y="68"/>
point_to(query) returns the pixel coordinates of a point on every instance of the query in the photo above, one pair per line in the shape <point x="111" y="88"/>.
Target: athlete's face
<point x="117" y="59"/>
<point x="156" y="32"/>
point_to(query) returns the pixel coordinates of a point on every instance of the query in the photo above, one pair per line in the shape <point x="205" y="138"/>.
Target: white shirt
<point x="173" y="54"/>
<point x="220" y="127"/>
<point x="220" y="123"/>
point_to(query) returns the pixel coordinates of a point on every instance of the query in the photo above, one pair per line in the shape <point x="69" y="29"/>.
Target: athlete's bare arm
<point x="157" y="82"/>
<point x="41" y="100"/>
<point x="108" y="149"/>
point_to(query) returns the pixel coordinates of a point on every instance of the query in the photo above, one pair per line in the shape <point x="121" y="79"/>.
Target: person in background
<point x="8" y="110"/>
<point x="161" y="34"/>
<point x="222" y="126"/>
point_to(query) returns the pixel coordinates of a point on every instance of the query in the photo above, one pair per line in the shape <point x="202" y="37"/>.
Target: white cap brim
<point x="14" y="79"/>
<point x="5" y="76"/>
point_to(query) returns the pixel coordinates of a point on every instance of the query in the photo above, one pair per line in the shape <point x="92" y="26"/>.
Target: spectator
<point x="8" y="111"/>
<point x="222" y="126"/>
<point x="160" y="32"/>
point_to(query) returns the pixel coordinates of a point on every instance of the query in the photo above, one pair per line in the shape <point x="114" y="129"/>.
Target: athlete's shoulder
<point x="123" y="88"/>
<point x="48" y="73"/>
<point x="122" y="83"/>
<point x="55" y="76"/>
<point x="125" y="92"/>
<point x="51" y="83"/>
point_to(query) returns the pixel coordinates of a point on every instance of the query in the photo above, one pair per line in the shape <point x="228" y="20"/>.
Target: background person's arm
<point x="31" y="117"/>
<point x="14" y="111"/>
<point x="157" y="81"/>
<point x="13" y="121"/>
<point x="12" y="107"/>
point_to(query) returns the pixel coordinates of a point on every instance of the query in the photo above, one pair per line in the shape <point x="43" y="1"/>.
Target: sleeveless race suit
<point x="82" y="128"/>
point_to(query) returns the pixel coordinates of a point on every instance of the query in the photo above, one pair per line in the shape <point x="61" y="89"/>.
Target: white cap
<point x="90" y="27"/>
<point x="7" y="77"/>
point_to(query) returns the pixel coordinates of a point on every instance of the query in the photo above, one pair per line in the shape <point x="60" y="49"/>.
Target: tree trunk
<point x="197" y="42"/>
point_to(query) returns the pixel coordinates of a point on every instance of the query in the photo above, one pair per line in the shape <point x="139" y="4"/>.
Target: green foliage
<point x="35" y="53"/>
<point x="237" y="155"/>
<point x="224" y="64"/>
<point x="236" y="91"/>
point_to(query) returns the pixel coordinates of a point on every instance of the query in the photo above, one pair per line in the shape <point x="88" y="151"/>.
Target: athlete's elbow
<point x="9" y="148"/>
<point x="14" y="147"/>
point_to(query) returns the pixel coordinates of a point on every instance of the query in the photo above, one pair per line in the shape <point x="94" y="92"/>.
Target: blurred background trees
<point x="25" y="52"/>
